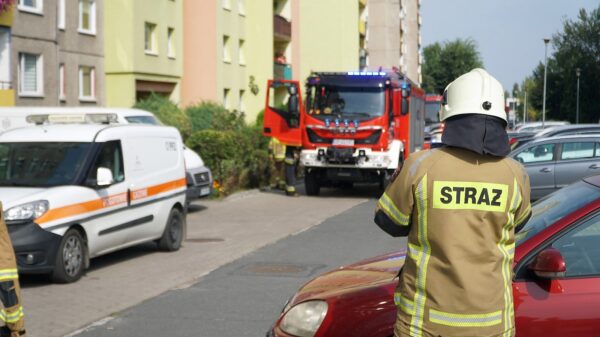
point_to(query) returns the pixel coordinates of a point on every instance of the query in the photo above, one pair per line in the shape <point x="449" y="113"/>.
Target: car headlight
<point x="28" y="211"/>
<point x="304" y="319"/>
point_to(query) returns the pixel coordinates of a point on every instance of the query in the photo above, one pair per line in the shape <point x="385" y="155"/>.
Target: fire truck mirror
<point x="293" y="104"/>
<point x="404" y="106"/>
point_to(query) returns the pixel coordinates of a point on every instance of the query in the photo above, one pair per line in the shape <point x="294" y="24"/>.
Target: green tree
<point x="442" y="63"/>
<point x="576" y="46"/>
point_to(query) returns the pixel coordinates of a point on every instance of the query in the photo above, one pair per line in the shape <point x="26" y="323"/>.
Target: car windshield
<point x="142" y="120"/>
<point x="346" y="102"/>
<point x="555" y="206"/>
<point x="41" y="164"/>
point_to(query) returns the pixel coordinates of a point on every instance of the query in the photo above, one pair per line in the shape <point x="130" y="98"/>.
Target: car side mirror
<point x="549" y="264"/>
<point x="104" y="177"/>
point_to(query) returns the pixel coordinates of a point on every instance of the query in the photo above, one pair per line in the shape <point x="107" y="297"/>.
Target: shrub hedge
<point x="236" y="152"/>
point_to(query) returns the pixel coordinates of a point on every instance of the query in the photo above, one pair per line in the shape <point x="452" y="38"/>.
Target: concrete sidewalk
<point x="218" y="232"/>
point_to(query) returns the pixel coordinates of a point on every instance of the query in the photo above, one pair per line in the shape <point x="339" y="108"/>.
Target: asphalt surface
<point x="219" y="232"/>
<point x="244" y="297"/>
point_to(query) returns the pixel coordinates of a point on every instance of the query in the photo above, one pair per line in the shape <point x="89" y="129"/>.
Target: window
<point x="30" y="75"/>
<point x="171" y="42"/>
<point x="87" y="86"/>
<point x="242" y="104"/>
<point x="61" y="14"/>
<point x="536" y="154"/>
<point x="226" y="49"/>
<point x="110" y="157"/>
<point x="241" y="7"/>
<point x="62" y="92"/>
<point x="5" y="76"/>
<point x="226" y="4"/>
<point x="87" y="16"/>
<point x="150" y="38"/>
<point x="597" y="150"/>
<point x="241" y="53"/>
<point x="577" y="150"/>
<point x="32" y="6"/>
<point x="226" y="98"/>
<point x="580" y="249"/>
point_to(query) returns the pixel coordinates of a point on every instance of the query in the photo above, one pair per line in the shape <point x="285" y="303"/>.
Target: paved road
<point x="218" y="232"/>
<point x="244" y="297"/>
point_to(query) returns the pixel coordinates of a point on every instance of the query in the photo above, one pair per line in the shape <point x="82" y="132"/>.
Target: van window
<point x="110" y="157"/>
<point x="151" y="120"/>
<point x="43" y="164"/>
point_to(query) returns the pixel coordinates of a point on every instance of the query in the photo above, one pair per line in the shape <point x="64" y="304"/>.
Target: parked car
<point x="72" y="192"/>
<point x="537" y="126"/>
<point x="522" y="138"/>
<point x="199" y="177"/>
<point x="553" y="163"/>
<point x="556" y="284"/>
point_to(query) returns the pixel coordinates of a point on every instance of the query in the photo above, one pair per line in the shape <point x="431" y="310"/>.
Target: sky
<point x="509" y="33"/>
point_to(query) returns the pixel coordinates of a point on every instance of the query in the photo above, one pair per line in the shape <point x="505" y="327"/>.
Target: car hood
<point x="374" y="272"/>
<point x="12" y="196"/>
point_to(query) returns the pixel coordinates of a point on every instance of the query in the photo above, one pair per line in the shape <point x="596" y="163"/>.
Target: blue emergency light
<point x="366" y="73"/>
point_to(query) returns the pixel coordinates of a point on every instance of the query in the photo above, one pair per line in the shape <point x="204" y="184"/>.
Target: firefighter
<point x="460" y="206"/>
<point x="10" y="292"/>
<point x="276" y="168"/>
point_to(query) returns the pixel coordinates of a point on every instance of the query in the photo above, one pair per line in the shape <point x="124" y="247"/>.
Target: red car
<point x="556" y="282"/>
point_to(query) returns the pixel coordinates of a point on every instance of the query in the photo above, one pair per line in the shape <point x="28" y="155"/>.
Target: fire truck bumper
<point x="356" y="158"/>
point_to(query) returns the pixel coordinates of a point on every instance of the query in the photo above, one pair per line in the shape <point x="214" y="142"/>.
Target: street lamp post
<point x="546" y="40"/>
<point x="578" y="72"/>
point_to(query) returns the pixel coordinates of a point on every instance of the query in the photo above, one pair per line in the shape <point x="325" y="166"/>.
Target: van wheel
<point x="70" y="258"/>
<point x="311" y="183"/>
<point x="173" y="234"/>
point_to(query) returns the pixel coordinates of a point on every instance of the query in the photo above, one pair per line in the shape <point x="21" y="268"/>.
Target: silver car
<point x="553" y="163"/>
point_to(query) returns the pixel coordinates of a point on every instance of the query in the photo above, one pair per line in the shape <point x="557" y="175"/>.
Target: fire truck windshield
<point x="351" y="102"/>
<point x="432" y="112"/>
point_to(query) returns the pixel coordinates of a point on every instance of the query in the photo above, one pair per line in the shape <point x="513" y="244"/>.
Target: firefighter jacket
<point x="277" y="149"/>
<point x="459" y="210"/>
<point x="10" y="292"/>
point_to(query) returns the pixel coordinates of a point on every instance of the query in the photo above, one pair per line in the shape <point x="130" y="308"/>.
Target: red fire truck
<point x="350" y="127"/>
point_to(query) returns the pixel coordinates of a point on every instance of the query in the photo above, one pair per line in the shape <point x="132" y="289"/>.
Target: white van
<point x="199" y="177"/>
<point x="71" y="192"/>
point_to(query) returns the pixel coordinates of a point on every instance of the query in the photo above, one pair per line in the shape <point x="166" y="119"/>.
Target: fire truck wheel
<point x="311" y="183"/>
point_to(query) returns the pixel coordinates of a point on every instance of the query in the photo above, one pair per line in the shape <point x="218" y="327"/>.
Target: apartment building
<point x="144" y="53"/>
<point x="53" y="51"/>
<point x="394" y="36"/>
<point x="228" y="53"/>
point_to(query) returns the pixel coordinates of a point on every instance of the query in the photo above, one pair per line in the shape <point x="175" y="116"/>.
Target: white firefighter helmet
<point x="475" y="92"/>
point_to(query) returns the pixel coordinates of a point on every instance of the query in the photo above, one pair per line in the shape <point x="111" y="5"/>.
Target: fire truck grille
<point x="340" y="156"/>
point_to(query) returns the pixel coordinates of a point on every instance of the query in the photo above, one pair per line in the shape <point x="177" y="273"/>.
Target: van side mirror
<point x="104" y="177"/>
<point x="549" y="264"/>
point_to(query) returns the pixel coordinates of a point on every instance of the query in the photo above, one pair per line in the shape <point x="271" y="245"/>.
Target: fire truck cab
<point x="350" y="126"/>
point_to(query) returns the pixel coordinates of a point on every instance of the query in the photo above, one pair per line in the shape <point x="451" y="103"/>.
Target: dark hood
<point x="478" y="133"/>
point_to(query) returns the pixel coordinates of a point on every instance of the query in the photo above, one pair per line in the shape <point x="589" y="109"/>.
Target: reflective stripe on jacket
<point x="277" y="149"/>
<point x="459" y="210"/>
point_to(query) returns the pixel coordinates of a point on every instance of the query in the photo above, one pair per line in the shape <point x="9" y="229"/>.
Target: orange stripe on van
<point x="81" y="208"/>
<point x="113" y="200"/>
<point x="157" y="189"/>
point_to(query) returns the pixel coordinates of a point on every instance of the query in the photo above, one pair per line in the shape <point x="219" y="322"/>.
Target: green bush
<point x="235" y="152"/>
<point x="167" y="112"/>
<point x="210" y="115"/>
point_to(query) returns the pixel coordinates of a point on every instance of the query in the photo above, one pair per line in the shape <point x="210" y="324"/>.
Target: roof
<point x="567" y="137"/>
<point x="559" y="128"/>
<point x="54" y="133"/>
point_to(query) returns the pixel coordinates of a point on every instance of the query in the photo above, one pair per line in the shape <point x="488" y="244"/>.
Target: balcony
<point x="282" y="71"/>
<point x="7" y="94"/>
<point x="362" y="27"/>
<point x="282" y="28"/>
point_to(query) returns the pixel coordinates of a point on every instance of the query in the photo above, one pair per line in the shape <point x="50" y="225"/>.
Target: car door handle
<point x="594" y="166"/>
<point x="546" y="170"/>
